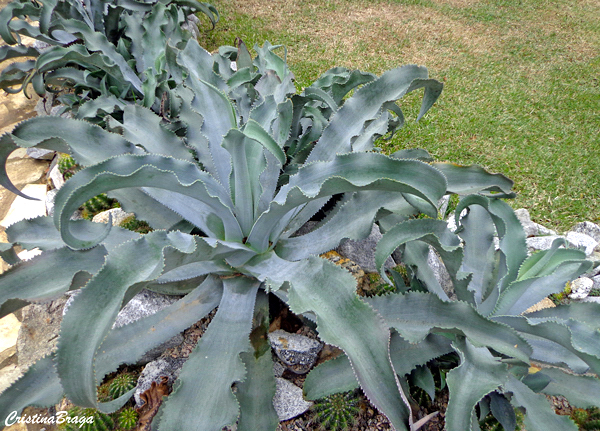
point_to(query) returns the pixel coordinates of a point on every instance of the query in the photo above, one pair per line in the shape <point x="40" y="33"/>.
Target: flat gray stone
<point x="297" y="352"/>
<point x="40" y="154"/>
<point x="580" y="288"/>
<point x="288" y="400"/>
<point x="363" y="252"/>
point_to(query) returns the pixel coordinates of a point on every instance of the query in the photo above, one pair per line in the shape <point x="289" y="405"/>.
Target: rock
<point x="44" y="105"/>
<point x="9" y="331"/>
<point x="443" y="205"/>
<point x="529" y="227"/>
<point x="143" y="304"/>
<point x="543" y="304"/>
<point x="580" y="288"/>
<point x="452" y="223"/>
<point x="441" y="273"/>
<point x="154" y="371"/>
<point x="541" y="242"/>
<point x="588" y="228"/>
<point x="8" y="357"/>
<point x="278" y="369"/>
<point x="583" y="241"/>
<point x="23" y="208"/>
<point x="288" y="400"/>
<point x="39" y="330"/>
<point x="596" y="280"/>
<point x="29" y="254"/>
<point x="118" y="216"/>
<point x="298" y="352"/>
<point x="191" y="24"/>
<point x="56" y="177"/>
<point x="307" y="227"/>
<point x="50" y="197"/>
<point x="8" y="375"/>
<point x="363" y="252"/>
<point x="40" y="154"/>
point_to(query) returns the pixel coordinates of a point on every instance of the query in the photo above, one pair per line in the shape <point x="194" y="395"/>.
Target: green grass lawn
<point x="522" y="81"/>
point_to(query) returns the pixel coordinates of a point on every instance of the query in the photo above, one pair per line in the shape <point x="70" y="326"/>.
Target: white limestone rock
<point x="23" y="208"/>
<point x="588" y="228"/>
<point x="118" y="216"/>
<point x="288" y="400"/>
<point x="57" y="178"/>
<point x="452" y="223"/>
<point x="529" y="227"/>
<point x="582" y="240"/>
<point x="538" y="243"/>
<point x="580" y="288"/>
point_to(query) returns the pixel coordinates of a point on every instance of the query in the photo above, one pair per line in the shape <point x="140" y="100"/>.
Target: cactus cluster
<point x="587" y="420"/>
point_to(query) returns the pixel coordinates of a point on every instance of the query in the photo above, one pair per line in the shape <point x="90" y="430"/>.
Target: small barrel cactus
<point x="121" y="385"/>
<point x="67" y="166"/>
<point x="336" y="412"/>
<point x="128" y="418"/>
<point x="87" y="420"/>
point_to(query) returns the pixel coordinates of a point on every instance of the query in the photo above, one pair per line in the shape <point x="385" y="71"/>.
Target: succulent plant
<point x="107" y="52"/>
<point x="128" y="418"/>
<point x="337" y="412"/>
<point x="67" y="166"/>
<point x="495" y="282"/>
<point x="122" y="384"/>
<point x="79" y="419"/>
<point x="226" y="183"/>
<point x="97" y="204"/>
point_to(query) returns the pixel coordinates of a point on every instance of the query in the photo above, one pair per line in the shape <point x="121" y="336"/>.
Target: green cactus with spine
<point x="99" y="421"/>
<point x="67" y="166"/>
<point x="337" y="412"/>
<point x="128" y="418"/>
<point x="121" y="384"/>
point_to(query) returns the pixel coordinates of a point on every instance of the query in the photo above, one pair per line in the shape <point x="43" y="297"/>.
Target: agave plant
<point x="107" y="51"/>
<point x="242" y="165"/>
<point x="508" y="359"/>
